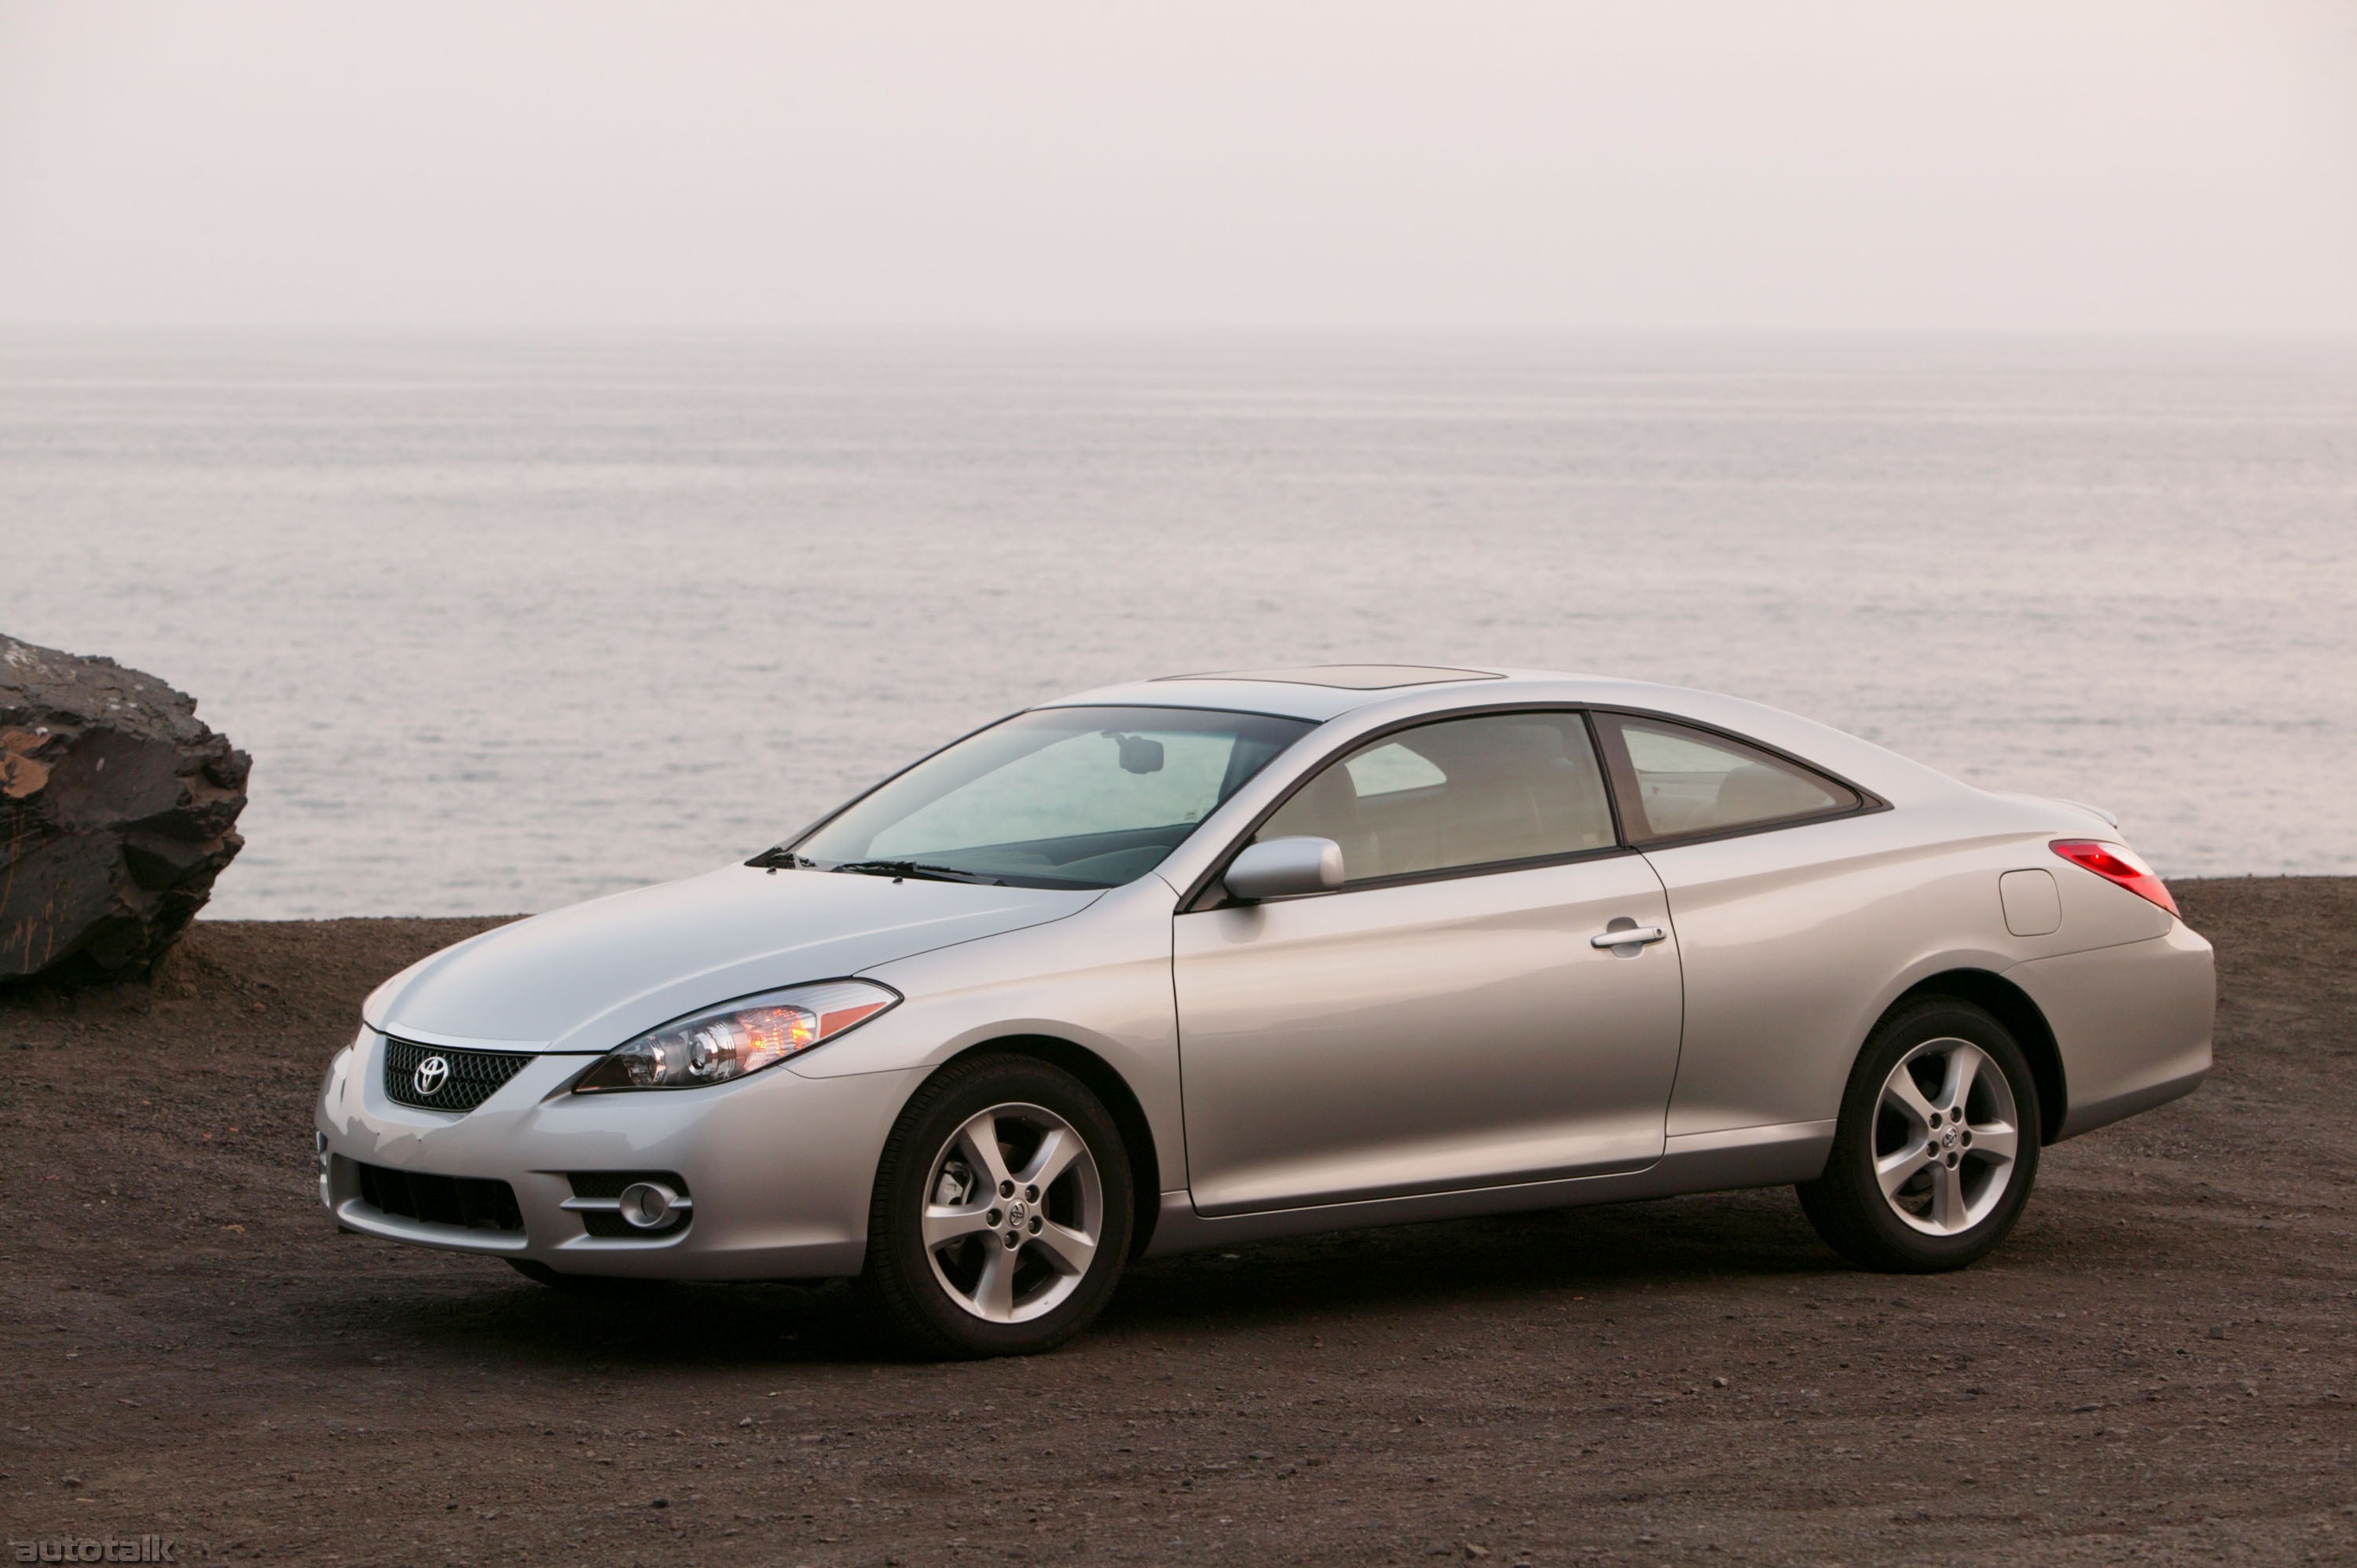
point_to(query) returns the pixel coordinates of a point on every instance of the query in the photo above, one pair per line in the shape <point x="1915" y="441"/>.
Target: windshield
<point x="1055" y="798"/>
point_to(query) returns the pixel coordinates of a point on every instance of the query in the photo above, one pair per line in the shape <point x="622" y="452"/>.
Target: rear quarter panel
<point x="1796" y="941"/>
<point x="2132" y="1021"/>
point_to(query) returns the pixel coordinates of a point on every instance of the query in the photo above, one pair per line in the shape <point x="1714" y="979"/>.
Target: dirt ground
<point x="2161" y="1365"/>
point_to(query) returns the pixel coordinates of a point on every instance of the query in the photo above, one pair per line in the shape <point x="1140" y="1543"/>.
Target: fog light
<point x="646" y="1205"/>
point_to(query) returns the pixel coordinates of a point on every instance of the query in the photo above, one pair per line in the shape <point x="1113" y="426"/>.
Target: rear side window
<point x="1460" y="793"/>
<point x="1676" y="782"/>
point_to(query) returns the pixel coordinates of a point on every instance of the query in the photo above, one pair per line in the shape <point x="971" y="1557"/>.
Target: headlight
<point x="729" y="1041"/>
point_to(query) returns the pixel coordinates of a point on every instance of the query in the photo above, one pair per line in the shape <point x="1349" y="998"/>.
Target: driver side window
<point x="1457" y="794"/>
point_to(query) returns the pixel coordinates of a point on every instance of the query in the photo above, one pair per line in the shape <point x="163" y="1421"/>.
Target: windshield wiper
<point x="783" y="859"/>
<point x="923" y="873"/>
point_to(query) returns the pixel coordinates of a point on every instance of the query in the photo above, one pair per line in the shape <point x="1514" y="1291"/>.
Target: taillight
<point x="2117" y="863"/>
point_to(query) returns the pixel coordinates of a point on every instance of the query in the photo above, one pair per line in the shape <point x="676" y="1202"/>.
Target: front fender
<point x="1099" y="980"/>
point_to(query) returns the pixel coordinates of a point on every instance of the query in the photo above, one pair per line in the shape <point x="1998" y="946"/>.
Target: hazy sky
<point x="2058" y="164"/>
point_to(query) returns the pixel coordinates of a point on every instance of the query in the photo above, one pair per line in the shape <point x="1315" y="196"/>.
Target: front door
<point x="1444" y="1020"/>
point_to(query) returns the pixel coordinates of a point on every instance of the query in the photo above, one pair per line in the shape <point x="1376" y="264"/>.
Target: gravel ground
<point x="2158" y="1366"/>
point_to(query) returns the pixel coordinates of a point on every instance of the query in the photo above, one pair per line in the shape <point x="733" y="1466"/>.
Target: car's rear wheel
<point x="1002" y="1213"/>
<point x="1937" y="1145"/>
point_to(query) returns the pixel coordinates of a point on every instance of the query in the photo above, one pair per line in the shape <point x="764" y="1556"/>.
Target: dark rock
<point x="117" y="810"/>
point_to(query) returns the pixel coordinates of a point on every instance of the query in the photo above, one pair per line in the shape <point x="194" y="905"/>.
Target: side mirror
<point x="1281" y="868"/>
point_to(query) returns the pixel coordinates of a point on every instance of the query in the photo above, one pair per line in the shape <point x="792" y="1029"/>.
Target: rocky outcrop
<point x="117" y="810"/>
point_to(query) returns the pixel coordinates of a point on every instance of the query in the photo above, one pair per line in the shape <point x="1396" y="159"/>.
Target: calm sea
<point x="507" y="623"/>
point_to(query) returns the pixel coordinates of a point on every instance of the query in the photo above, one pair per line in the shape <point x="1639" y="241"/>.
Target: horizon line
<point x="1244" y="329"/>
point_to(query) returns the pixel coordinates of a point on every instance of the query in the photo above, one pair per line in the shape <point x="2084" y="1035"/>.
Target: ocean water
<point x="511" y="622"/>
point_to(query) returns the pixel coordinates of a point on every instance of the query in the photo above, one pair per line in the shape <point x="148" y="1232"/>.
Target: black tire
<point x="1848" y="1204"/>
<point x="902" y="1283"/>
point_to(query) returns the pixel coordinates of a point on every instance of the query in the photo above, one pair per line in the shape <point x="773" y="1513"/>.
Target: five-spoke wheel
<point x="1013" y="1214"/>
<point x="1937" y="1144"/>
<point x="1003" y="1210"/>
<point x="1944" y="1137"/>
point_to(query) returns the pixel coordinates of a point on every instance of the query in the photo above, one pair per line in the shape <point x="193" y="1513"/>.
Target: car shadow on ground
<point x="1504" y="1260"/>
<point x="1311" y="1284"/>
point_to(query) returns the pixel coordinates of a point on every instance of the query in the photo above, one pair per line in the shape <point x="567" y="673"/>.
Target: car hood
<point x="588" y="977"/>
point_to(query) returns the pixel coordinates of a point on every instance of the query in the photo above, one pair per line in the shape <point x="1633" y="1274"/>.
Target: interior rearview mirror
<point x="1139" y="752"/>
<point x="1283" y="868"/>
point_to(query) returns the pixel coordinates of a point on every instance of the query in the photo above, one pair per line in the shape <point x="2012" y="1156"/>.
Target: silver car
<point x="1211" y="959"/>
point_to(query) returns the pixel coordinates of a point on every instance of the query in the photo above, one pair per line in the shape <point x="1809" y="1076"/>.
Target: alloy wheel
<point x="1014" y="1212"/>
<point x="1946" y="1137"/>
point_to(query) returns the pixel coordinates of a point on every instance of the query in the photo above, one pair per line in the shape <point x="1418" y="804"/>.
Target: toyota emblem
<point x="432" y="1073"/>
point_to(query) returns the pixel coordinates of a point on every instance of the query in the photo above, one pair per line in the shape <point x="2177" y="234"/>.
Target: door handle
<point x="1630" y="936"/>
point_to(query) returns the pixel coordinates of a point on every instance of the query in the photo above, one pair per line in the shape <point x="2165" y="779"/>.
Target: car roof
<point x="1350" y="677"/>
<point x="1323" y="691"/>
<point x="1371" y="696"/>
<point x="1316" y="691"/>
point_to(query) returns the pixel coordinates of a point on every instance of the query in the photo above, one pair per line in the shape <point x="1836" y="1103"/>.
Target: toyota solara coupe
<point x="1210" y="959"/>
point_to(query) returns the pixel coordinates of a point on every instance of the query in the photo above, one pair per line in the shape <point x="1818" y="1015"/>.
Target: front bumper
<point x="781" y="1168"/>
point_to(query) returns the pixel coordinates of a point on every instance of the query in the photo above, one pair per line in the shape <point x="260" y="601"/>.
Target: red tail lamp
<point x="2117" y="863"/>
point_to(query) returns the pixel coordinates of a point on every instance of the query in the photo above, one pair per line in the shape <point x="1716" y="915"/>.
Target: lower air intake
<point x="471" y="1203"/>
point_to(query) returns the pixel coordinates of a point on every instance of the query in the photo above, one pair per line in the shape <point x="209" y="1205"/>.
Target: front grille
<point x="610" y="1225"/>
<point x="474" y="1203"/>
<point x="465" y="1080"/>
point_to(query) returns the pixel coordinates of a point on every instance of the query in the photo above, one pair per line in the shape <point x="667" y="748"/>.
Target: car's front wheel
<point x="1002" y="1213"/>
<point x="1937" y="1144"/>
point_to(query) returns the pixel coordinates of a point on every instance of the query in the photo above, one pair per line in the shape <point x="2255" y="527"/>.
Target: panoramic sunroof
<point x="1350" y="677"/>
